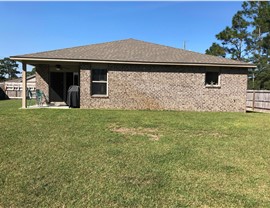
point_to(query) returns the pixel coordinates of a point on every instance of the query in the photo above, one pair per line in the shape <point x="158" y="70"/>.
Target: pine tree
<point x="8" y="67"/>
<point x="216" y="50"/>
<point x="248" y="39"/>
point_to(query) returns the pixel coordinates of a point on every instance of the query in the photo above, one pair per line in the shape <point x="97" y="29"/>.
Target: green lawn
<point x="114" y="158"/>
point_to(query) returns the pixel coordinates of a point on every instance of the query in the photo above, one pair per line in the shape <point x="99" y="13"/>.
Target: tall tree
<point x="234" y="38"/>
<point x="258" y="15"/>
<point x="9" y="67"/>
<point x="248" y="39"/>
<point x="2" y="75"/>
<point x="216" y="50"/>
<point x="32" y="72"/>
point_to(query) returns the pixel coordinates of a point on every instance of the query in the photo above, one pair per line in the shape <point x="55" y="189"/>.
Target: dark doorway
<point x="69" y="80"/>
<point x="56" y="86"/>
<point x="60" y="83"/>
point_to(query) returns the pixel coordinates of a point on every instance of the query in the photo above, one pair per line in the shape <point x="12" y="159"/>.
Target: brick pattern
<point x="167" y="88"/>
<point x="85" y="79"/>
<point x="43" y="78"/>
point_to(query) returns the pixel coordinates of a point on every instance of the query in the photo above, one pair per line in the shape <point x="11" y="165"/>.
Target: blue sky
<point x="28" y="27"/>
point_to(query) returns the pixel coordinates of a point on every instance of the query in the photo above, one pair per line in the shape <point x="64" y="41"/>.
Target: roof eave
<point x="24" y="59"/>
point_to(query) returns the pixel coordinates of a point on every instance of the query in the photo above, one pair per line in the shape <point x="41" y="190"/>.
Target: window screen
<point x="99" y="82"/>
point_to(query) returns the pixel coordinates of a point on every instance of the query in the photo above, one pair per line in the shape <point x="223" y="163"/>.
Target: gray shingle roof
<point x="131" y="50"/>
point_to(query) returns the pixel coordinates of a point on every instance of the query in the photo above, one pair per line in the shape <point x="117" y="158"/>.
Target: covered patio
<point x="53" y="80"/>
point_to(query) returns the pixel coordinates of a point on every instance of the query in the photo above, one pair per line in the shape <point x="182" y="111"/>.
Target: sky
<point x="28" y="27"/>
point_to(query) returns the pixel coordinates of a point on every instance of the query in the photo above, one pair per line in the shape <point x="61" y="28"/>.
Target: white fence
<point x="14" y="90"/>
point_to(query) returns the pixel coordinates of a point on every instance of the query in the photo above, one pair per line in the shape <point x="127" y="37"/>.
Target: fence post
<point x="253" y="100"/>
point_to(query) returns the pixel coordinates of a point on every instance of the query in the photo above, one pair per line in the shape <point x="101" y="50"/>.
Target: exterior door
<point x="56" y="87"/>
<point x="59" y="84"/>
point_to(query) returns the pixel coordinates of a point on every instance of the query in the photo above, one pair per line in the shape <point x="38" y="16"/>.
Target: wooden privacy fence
<point x="258" y="100"/>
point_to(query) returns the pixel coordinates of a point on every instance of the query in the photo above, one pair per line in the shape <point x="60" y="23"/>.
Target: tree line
<point x="248" y="39"/>
<point x="9" y="70"/>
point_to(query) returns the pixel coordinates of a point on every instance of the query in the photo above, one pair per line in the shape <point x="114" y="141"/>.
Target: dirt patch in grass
<point x="209" y="134"/>
<point x="152" y="134"/>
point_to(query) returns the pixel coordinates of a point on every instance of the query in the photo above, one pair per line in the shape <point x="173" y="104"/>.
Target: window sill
<point x="99" y="96"/>
<point x="213" y="86"/>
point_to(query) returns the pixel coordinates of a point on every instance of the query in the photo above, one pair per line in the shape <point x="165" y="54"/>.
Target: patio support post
<point x="24" y="86"/>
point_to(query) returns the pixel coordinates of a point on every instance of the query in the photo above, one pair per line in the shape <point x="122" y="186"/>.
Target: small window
<point x="212" y="78"/>
<point x="99" y="82"/>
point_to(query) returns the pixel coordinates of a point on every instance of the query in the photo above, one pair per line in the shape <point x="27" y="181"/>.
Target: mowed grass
<point x="115" y="158"/>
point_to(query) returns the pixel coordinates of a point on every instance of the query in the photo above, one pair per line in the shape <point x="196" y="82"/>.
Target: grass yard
<point x="114" y="158"/>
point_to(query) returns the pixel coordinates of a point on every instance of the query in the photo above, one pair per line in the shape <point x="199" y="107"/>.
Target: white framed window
<point x="212" y="78"/>
<point x="99" y="82"/>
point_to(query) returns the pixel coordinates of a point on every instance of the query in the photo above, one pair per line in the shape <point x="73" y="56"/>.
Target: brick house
<point x="133" y="74"/>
